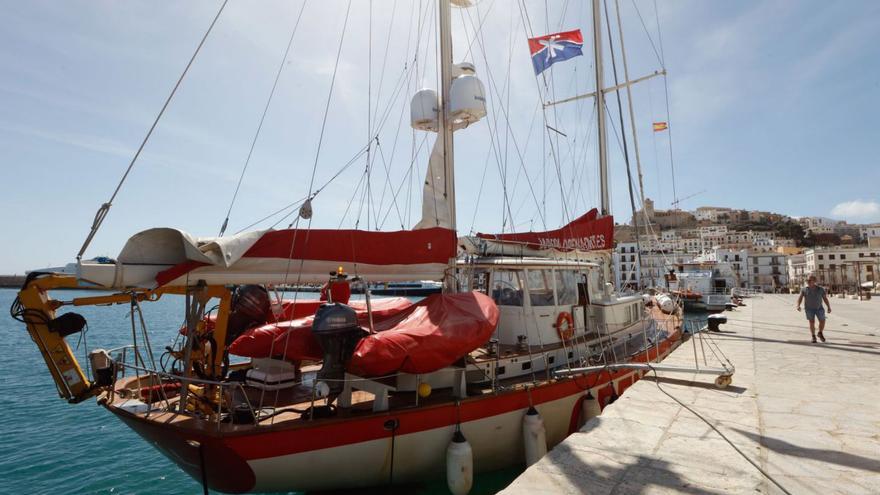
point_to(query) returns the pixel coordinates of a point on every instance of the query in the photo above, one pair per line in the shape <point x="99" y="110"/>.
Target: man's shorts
<point x="815" y="313"/>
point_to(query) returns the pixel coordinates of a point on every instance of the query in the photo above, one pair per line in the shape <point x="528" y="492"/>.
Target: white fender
<point x="665" y="303"/>
<point x="534" y="436"/>
<point x="590" y="407"/>
<point x="459" y="465"/>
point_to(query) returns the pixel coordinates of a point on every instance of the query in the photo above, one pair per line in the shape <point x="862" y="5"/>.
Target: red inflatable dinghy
<point x="420" y="338"/>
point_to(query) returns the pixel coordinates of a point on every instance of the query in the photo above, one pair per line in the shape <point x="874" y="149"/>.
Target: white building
<point x="843" y="268"/>
<point x="632" y="271"/>
<point x="869" y="231"/>
<point x="627" y="272"/>
<point x="818" y="225"/>
<point x="711" y="213"/>
<point x="767" y="271"/>
<point x="797" y="271"/>
<point x="712" y="229"/>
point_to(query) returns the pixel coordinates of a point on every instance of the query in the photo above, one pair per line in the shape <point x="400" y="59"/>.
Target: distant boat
<point x="411" y="289"/>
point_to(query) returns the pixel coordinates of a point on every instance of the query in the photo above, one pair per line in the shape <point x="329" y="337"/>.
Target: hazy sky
<point x="773" y="107"/>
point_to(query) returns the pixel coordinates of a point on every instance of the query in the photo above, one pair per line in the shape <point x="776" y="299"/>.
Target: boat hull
<point x="392" y="447"/>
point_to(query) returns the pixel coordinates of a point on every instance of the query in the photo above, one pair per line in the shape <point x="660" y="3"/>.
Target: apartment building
<point x="797" y="271"/>
<point x="767" y="271"/>
<point x="869" y="231"/>
<point x="627" y="269"/>
<point x="843" y="268"/>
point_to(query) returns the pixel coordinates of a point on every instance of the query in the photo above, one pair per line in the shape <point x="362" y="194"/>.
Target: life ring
<point x="565" y="332"/>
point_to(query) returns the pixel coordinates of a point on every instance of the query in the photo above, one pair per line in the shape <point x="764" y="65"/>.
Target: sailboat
<point x="337" y="395"/>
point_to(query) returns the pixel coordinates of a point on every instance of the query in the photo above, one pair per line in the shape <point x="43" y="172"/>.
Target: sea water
<point x="48" y="446"/>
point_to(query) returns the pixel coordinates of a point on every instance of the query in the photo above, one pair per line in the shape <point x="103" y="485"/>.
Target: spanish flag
<point x="660" y="126"/>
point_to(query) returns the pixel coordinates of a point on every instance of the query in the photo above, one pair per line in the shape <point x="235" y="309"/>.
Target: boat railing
<point x="745" y="292"/>
<point x="156" y="379"/>
<point x="228" y="400"/>
<point x="223" y="393"/>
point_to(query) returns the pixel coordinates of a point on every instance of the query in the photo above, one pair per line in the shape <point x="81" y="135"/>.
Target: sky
<point x="771" y="106"/>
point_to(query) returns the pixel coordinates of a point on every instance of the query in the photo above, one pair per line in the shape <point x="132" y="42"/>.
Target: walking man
<point x="813" y="296"/>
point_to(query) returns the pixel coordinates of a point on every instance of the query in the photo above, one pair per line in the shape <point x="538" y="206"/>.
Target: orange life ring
<point x="566" y="332"/>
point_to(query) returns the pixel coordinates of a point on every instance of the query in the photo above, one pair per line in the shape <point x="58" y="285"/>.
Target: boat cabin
<point x="553" y="312"/>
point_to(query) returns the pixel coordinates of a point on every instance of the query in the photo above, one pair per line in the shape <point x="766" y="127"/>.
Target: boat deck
<point x="807" y="414"/>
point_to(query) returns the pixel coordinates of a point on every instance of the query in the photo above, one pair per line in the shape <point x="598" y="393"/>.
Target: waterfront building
<point x="767" y="271"/>
<point x="843" y="268"/>
<point x="797" y="271"/>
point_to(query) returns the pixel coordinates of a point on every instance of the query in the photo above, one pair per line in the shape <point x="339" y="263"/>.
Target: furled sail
<point x="436" y="209"/>
<point x="169" y="256"/>
<point x="585" y="233"/>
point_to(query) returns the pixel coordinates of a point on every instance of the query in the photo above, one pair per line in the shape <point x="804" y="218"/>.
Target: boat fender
<point x="565" y="325"/>
<point x="459" y="465"/>
<point x="534" y="436"/>
<point x="665" y="303"/>
<point x="613" y="397"/>
<point x="67" y="324"/>
<point x="590" y="407"/>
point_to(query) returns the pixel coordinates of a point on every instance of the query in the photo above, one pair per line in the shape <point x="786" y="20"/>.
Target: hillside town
<point x="719" y="249"/>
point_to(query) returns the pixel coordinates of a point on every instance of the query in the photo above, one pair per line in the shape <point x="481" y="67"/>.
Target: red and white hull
<point x="400" y="446"/>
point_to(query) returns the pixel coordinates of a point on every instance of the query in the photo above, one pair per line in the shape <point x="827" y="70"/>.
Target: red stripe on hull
<point x="226" y="455"/>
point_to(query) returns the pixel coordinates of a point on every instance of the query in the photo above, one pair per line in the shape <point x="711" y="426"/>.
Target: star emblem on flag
<point x="549" y="49"/>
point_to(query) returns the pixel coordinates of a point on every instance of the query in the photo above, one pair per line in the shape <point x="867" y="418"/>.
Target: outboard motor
<point x="337" y="330"/>
<point x="250" y="307"/>
<point x="103" y="367"/>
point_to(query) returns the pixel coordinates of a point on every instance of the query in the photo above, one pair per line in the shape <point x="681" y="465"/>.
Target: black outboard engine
<point x="337" y="330"/>
<point x="250" y="308"/>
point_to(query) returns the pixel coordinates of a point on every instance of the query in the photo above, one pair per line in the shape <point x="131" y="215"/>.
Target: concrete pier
<point x="807" y="414"/>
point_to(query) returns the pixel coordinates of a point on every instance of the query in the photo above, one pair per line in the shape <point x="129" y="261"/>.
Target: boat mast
<point x="600" y="109"/>
<point x="445" y="130"/>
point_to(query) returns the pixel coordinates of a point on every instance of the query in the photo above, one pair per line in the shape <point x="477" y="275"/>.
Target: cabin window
<point x="540" y="287"/>
<point x="479" y="281"/>
<point x="566" y="287"/>
<point x="507" y="288"/>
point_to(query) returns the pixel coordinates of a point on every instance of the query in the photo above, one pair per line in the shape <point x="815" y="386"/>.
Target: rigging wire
<point x="493" y="131"/>
<point x="262" y="118"/>
<point x="300" y="201"/>
<point x="519" y="151"/>
<point x="666" y="94"/>
<point x="629" y="182"/>
<point x="327" y="104"/>
<point x="645" y="27"/>
<point x="105" y="208"/>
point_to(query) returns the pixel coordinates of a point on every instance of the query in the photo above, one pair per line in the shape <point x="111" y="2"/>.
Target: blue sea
<point x="48" y="446"/>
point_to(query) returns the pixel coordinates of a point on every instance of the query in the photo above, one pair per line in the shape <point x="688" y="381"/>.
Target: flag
<point x="552" y="48"/>
<point x="660" y="126"/>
